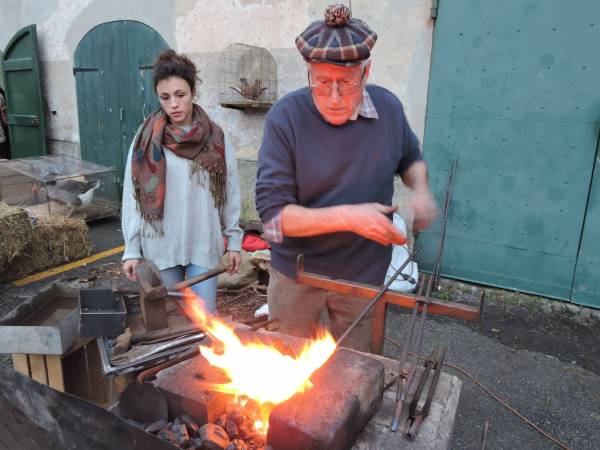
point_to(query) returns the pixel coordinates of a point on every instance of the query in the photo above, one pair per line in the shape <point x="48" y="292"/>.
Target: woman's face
<point x="176" y="98"/>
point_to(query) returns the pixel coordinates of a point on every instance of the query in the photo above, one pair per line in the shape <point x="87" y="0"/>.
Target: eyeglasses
<point x="325" y="88"/>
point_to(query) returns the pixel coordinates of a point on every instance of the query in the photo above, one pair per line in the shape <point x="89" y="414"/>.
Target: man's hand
<point x="369" y="220"/>
<point x="424" y="209"/>
<point x="129" y="267"/>
<point x="233" y="262"/>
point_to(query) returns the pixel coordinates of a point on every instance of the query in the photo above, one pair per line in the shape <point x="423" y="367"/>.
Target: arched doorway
<point x="112" y="69"/>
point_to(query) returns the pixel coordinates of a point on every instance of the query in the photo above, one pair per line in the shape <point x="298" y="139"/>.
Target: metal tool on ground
<point x="438" y="260"/>
<point x="377" y="297"/>
<point x="416" y="415"/>
<point x="153" y="292"/>
<point x="407" y="369"/>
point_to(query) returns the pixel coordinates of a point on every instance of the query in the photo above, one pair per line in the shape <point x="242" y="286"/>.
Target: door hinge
<point x="84" y="69"/>
<point x="434" y="8"/>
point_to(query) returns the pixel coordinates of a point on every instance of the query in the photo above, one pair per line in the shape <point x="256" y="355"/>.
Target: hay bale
<point x="55" y="241"/>
<point x="15" y="233"/>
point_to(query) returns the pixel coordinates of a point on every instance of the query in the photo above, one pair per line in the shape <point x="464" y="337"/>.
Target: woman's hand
<point x="233" y="261"/>
<point x="129" y="267"/>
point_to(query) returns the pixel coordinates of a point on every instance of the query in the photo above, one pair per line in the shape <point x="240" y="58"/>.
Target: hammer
<point x="153" y="292"/>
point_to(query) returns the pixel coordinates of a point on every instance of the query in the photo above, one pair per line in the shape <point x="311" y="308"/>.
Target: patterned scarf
<point x="204" y="145"/>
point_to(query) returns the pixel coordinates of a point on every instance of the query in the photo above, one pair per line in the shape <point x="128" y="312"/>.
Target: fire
<point x="258" y="371"/>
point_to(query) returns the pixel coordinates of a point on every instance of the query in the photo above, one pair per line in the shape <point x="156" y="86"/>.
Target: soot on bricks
<point x="347" y="391"/>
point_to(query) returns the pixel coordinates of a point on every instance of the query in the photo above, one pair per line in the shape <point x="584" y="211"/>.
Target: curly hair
<point x="171" y="64"/>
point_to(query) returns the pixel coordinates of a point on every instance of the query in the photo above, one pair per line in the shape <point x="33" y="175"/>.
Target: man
<point x="324" y="187"/>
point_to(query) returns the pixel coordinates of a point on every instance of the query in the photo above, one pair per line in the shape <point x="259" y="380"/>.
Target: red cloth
<point x="252" y="242"/>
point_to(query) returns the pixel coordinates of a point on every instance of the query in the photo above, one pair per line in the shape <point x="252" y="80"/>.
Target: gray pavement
<point x="560" y="396"/>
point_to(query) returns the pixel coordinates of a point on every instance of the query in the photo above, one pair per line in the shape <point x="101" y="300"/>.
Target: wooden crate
<point x="45" y="369"/>
<point x="77" y="372"/>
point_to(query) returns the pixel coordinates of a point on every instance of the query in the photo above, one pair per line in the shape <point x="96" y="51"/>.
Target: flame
<point x="258" y="371"/>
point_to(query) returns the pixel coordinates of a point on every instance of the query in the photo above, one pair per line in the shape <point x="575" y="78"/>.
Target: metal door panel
<point x="509" y="96"/>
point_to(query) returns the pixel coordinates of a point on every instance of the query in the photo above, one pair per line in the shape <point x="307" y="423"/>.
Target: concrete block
<point x="347" y="391"/>
<point x="181" y="387"/>
<point x="435" y="432"/>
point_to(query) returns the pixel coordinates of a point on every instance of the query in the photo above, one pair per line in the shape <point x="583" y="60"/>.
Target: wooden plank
<point x="21" y="363"/>
<point x="38" y="368"/>
<point x="55" y="372"/>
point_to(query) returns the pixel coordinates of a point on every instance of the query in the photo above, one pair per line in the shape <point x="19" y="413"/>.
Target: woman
<point x="181" y="191"/>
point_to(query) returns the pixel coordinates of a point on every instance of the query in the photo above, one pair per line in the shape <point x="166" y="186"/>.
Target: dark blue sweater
<point x="306" y="161"/>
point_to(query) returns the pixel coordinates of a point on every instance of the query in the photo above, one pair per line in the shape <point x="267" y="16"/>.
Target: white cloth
<point x="399" y="255"/>
<point x="193" y="228"/>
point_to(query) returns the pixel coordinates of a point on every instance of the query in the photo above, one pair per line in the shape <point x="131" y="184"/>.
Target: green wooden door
<point x="114" y="88"/>
<point x="21" y="70"/>
<point x="510" y="96"/>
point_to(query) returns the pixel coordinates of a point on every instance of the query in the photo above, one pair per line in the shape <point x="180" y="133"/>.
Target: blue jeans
<point x="207" y="290"/>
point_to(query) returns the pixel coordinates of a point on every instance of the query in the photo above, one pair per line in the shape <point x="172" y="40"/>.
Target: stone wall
<point x="202" y="29"/>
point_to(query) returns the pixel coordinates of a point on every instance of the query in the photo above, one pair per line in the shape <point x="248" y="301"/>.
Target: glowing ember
<point x="258" y="371"/>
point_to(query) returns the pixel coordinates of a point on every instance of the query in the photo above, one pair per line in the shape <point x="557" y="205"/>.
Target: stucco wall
<point x="202" y="29"/>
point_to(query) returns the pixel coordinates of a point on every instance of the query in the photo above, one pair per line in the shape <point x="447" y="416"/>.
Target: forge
<point x="347" y="391"/>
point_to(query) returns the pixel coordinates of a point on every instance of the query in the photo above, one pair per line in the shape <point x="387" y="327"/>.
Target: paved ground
<point x="545" y="364"/>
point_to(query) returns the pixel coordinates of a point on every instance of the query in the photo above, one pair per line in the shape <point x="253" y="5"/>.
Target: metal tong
<point x="407" y="369"/>
<point x="416" y="415"/>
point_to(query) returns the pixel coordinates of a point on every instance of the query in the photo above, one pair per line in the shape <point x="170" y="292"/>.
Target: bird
<point x="250" y="92"/>
<point x="70" y="192"/>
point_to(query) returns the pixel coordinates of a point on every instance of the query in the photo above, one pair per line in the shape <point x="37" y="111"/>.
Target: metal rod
<point x="379" y="295"/>
<point x="438" y="261"/>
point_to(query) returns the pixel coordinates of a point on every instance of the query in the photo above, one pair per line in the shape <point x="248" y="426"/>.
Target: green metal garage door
<point x="514" y="96"/>
<point x="114" y="88"/>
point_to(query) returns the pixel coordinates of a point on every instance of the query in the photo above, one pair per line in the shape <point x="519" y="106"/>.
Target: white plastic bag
<point x="399" y="255"/>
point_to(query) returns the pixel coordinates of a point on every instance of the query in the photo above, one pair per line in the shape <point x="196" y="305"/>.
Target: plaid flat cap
<point x="339" y="39"/>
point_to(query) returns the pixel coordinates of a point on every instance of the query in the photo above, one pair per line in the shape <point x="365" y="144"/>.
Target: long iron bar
<point x="440" y="250"/>
<point x="406" y="376"/>
<point x="379" y="295"/>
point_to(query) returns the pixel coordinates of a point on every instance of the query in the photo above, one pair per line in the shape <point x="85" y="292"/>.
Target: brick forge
<point x="347" y="391"/>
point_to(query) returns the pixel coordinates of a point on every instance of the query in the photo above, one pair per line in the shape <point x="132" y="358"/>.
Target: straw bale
<point x="56" y="240"/>
<point x="15" y="233"/>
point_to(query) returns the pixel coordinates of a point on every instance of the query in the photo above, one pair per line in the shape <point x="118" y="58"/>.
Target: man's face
<point x="337" y="90"/>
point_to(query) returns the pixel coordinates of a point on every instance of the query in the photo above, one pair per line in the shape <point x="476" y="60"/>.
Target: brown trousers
<point x="299" y="309"/>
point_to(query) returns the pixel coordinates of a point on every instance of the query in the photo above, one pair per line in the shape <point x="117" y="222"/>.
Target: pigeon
<point x="250" y="92"/>
<point x="72" y="193"/>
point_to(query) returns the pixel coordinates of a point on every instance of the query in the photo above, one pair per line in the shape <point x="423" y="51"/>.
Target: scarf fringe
<point x="152" y="227"/>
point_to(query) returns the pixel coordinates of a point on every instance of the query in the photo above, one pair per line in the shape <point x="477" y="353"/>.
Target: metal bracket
<point x="84" y="69"/>
<point x="434" y="9"/>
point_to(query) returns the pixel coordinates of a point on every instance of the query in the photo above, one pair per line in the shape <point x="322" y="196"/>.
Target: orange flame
<point x="258" y="371"/>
